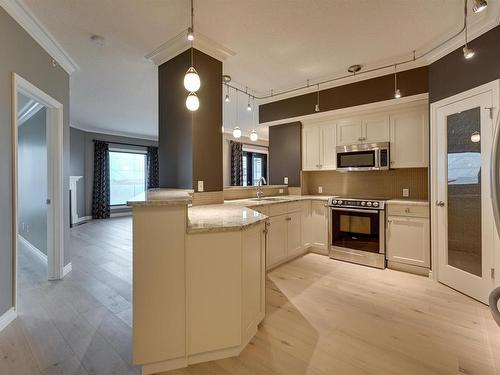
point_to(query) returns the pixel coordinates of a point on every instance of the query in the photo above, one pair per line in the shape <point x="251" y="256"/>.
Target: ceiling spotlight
<point x="190" y="34"/>
<point x="254" y="137"/>
<point x="192" y="102"/>
<point x="226" y="98"/>
<point x="479" y="6"/>
<point x="354" y="68"/>
<point x="397" y="92"/>
<point x="237" y="132"/>
<point x="316" y="107"/>
<point x="475" y="137"/>
<point x="468" y="52"/>
<point x="226" y="78"/>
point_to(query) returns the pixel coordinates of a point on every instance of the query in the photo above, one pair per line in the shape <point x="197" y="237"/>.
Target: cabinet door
<point x="328" y="155"/>
<point x="410" y="139"/>
<point x="319" y="225"/>
<point x="311" y="148"/>
<point x="376" y="129"/>
<point x="349" y="132"/>
<point x="276" y="240"/>
<point x="408" y="240"/>
<point x="294" y="233"/>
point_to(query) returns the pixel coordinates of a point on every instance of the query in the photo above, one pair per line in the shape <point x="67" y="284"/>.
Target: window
<point x="254" y="167"/>
<point x="127" y="175"/>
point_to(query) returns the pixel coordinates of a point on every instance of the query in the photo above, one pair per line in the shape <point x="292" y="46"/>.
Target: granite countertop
<point x="253" y="202"/>
<point x="408" y="202"/>
<point x="221" y="218"/>
<point x="162" y="197"/>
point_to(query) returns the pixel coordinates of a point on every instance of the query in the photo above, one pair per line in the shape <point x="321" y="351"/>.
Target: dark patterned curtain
<point x="100" y="193"/>
<point x="153" y="176"/>
<point x="236" y="163"/>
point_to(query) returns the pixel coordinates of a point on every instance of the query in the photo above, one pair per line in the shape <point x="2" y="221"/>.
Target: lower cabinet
<point x="408" y="238"/>
<point x="318" y="227"/>
<point x="276" y="240"/>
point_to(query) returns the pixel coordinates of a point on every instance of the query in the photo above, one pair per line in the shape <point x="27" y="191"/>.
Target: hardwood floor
<point x="323" y="317"/>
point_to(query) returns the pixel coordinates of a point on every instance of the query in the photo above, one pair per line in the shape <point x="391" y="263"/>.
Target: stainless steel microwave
<point x="363" y="157"/>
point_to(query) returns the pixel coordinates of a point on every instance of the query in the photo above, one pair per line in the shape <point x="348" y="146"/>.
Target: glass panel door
<point x="464" y="191"/>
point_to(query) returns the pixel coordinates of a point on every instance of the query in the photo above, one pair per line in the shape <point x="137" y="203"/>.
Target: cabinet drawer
<point x="407" y="210"/>
<point x="295" y="206"/>
<point x="278" y="209"/>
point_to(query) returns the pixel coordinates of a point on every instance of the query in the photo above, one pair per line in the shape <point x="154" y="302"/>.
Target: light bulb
<point x="475" y="137"/>
<point x="254" y="136"/>
<point x="397" y="94"/>
<point x="226" y="99"/>
<point x="237" y="132"/>
<point x="190" y="34"/>
<point x="479" y="6"/>
<point x="249" y="107"/>
<point x="192" y="102"/>
<point x="192" y="81"/>
<point x="316" y="108"/>
<point x="468" y="52"/>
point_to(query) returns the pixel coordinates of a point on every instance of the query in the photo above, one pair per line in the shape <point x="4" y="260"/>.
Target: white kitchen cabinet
<point x="276" y="240"/>
<point x="318" y="227"/>
<point x="318" y="145"/>
<point x="349" y="131"/>
<point x="376" y="129"/>
<point x="410" y="139"/>
<point x="294" y="234"/>
<point x="408" y="235"/>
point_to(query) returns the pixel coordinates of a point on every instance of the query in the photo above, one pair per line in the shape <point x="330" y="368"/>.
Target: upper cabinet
<point x="410" y="139"/>
<point x="318" y="147"/>
<point x="405" y="126"/>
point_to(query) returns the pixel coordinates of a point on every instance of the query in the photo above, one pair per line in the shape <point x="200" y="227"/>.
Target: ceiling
<point x="278" y="44"/>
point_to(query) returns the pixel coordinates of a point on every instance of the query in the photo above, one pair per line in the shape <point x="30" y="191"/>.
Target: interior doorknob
<point x="440" y="203"/>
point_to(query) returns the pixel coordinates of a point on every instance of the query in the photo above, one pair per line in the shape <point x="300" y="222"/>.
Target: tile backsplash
<point x="373" y="183"/>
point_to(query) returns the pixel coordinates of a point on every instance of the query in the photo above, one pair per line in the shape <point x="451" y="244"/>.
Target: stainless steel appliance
<point x="363" y="157"/>
<point x="356" y="230"/>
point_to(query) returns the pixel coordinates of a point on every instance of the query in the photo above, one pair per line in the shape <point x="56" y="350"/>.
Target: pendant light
<point x="254" y="137"/>
<point x="479" y="6"/>
<point x="468" y="51"/>
<point x="316" y="107"/>
<point x="236" y="130"/>
<point x="192" y="102"/>
<point x="192" y="80"/>
<point x="249" y="106"/>
<point x="226" y="99"/>
<point x="397" y="92"/>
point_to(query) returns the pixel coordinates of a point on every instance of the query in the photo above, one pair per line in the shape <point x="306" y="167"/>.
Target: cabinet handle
<point x="407" y="210"/>
<point x="288" y="218"/>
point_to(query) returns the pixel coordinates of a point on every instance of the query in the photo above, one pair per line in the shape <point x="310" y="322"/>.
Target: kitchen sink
<point x="269" y="199"/>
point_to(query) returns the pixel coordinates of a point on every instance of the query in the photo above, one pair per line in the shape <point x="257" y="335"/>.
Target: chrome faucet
<point x="260" y="193"/>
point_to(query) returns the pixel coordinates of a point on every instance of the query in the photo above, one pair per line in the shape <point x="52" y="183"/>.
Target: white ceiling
<point x="278" y="44"/>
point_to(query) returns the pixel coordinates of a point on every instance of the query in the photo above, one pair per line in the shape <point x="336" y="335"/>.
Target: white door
<point x="375" y="129"/>
<point x="349" y="132"/>
<point x="463" y="217"/>
<point x="276" y="239"/>
<point x="408" y="240"/>
<point x="328" y="156"/>
<point x="311" y="148"/>
<point x="294" y="233"/>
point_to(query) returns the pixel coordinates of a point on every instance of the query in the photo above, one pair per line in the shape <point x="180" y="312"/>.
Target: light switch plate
<point x="406" y="192"/>
<point x="285" y="180"/>
<point x="281" y="191"/>
<point x="320" y="189"/>
<point x="200" y="186"/>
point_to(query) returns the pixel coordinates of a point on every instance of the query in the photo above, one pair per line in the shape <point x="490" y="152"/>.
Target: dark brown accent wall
<point x="453" y="74"/>
<point x="410" y="82"/>
<point x="190" y="143"/>
<point x="285" y="159"/>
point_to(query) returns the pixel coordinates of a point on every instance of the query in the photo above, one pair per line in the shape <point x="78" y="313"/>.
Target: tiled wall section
<point x="374" y="183"/>
<point x="235" y="193"/>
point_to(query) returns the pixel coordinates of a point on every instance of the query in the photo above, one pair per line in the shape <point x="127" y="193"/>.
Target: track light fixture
<point x="192" y="82"/>
<point x="397" y="92"/>
<point x="226" y="98"/>
<point x="249" y="106"/>
<point x="236" y="130"/>
<point x="468" y="51"/>
<point x="316" y="107"/>
<point x="479" y="6"/>
<point x="190" y="33"/>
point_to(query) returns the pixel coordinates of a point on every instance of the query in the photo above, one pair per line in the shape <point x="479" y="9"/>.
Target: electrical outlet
<point x="406" y="192"/>
<point x="200" y="186"/>
<point x="281" y="191"/>
<point x="320" y="189"/>
<point x="285" y="180"/>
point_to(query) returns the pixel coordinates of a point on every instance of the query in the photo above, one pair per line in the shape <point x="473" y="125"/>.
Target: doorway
<point x="464" y="236"/>
<point x="37" y="140"/>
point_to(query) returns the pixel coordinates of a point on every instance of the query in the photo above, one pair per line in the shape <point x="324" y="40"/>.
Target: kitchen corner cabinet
<point x="318" y="147"/>
<point x="408" y="235"/>
<point x="410" y="139"/>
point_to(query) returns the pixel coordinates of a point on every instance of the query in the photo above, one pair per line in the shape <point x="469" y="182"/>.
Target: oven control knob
<point x="363" y="203"/>
<point x="369" y="204"/>
<point x="334" y="201"/>
<point x="339" y="202"/>
<point x="375" y="204"/>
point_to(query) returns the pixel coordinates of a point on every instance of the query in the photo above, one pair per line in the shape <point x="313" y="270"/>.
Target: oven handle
<point x="353" y="210"/>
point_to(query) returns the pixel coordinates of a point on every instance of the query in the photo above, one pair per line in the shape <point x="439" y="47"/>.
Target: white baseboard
<point x="118" y="214"/>
<point x="34" y="250"/>
<point x="7" y="318"/>
<point x="82" y="219"/>
<point x="67" y="269"/>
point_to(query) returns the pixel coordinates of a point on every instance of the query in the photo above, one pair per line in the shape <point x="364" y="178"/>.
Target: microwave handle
<point x="377" y="158"/>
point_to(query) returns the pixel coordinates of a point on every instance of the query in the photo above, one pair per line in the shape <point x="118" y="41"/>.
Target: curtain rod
<point x="121" y="143"/>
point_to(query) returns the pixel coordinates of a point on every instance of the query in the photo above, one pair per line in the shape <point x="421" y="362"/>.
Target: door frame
<point x="494" y="88"/>
<point x="55" y="186"/>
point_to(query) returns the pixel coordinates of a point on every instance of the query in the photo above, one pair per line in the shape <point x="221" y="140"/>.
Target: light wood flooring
<point x="323" y="317"/>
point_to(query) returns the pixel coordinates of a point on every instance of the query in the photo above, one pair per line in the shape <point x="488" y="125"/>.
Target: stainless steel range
<point x="357" y="230"/>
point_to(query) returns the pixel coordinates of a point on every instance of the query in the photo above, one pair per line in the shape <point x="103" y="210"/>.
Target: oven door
<point x="360" y="160"/>
<point x="357" y="229"/>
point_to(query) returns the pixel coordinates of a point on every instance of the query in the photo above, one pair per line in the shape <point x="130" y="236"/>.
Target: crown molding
<point x="114" y="133"/>
<point x="179" y="44"/>
<point x="20" y="12"/>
